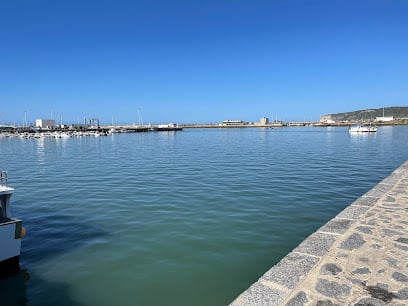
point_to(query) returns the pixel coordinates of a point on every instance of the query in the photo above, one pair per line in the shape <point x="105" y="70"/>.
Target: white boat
<point x="11" y="231"/>
<point x="167" y="127"/>
<point x="362" y="129"/>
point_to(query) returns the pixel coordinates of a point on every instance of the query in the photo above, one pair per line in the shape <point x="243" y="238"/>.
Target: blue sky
<point x="200" y="61"/>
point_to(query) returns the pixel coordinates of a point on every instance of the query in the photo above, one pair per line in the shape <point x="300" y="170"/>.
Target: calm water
<point x="185" y="218"/>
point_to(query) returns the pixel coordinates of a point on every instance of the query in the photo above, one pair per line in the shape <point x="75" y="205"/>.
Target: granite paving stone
<point x="299" y="300"/>
<point x="296" y="265"/>
<point x="402" y="294"/>
<point x="354" y="241"/>
<point x="353" y="212"/>
<point x="365" y="229"/>
<point x="364" y="270"/>
<point x="330" y="269"/>
<point x="337" y="226"/>
<point x="259" y="294"/>
<point x="400" y="277"/>
<point x="326" y="303"/>
<point x="317" y="244"/>
<point x="401" y="247"/>
<point x="402" y="240"/>
<point x="332" y="288"/>
<point x="374" y="193"/>
<point x="366" y="201"/>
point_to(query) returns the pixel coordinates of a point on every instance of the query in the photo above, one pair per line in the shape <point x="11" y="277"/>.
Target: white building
<point x="45" y="123"/>
<point x="232" y="123"/>
<point x="327" y="119"/>
<point x="264" y="121"/>
<point x="384" y="119"/>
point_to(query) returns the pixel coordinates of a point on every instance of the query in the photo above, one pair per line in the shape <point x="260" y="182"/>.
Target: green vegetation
<point x="370" y="114"/>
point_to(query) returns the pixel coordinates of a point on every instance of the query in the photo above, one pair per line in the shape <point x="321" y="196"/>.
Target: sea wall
<point x="360" y="257"/>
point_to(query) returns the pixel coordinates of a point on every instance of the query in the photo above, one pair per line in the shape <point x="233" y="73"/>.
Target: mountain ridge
<point x="397" y="112"/>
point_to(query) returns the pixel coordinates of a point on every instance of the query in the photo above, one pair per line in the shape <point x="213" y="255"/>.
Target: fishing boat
<point x="11" y="231"/>
<point x="362" y="129"/>
<point x="166" y="127"/>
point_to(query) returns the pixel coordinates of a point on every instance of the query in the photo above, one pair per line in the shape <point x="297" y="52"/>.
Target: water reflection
<point x="18" y="290"/>
<point x="362" y="136"/>
<point x="40" y="145"/>
<point x="387" y="130"/>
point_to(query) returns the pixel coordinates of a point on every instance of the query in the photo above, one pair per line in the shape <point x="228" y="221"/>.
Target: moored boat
<point x="167" y="127"/>
<point x="11" y="231"/>
<point x="362" y="129"/>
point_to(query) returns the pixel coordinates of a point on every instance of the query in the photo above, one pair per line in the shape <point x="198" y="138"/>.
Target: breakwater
<point x="30" y="132"/>
<point x="357" y="258"/>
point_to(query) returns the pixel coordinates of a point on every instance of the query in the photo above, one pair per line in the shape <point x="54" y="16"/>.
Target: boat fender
<point x="20" y="231"/>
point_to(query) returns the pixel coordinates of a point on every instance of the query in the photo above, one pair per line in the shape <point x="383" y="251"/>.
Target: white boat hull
<point x="362" y="129"/>
<point x="10" y="239"/>
<point x="11" y="232"/>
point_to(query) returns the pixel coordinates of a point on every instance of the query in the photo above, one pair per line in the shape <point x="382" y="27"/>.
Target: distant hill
<point x="398" y="112"/>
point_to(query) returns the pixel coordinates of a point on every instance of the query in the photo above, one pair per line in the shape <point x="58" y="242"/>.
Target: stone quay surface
<point x="358" y="258"/>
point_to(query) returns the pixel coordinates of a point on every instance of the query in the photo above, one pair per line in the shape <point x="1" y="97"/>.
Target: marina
<point x="190" y="218"/>
<point x="86" y="131"/>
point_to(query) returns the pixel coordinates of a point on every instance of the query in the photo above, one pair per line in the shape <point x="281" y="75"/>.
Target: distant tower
<point x="264" y="121"/>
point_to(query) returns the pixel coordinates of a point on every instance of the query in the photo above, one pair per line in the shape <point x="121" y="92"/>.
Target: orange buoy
<point x="23" y="232"/>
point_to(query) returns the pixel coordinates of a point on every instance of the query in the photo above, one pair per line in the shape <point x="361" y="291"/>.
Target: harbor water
<point x="178" y="218"/>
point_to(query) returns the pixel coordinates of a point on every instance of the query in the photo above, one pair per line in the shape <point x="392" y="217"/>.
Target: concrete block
<point x="260" y="295"/>
<point x="337" y="226"/>
<point x="352" y="212"/>
<point x="290" y="270"/>
<point x="316" y="244"/>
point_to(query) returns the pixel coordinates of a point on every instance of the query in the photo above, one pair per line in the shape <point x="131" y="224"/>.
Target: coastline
<point x="179" y="127"/>
<point x="291" y="124"/>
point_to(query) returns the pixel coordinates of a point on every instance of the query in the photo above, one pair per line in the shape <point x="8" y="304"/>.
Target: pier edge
<point x="348" y="259"/>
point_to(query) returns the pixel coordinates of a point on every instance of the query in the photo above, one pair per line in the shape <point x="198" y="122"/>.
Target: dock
<point x="32" y="132"/>
<point x="360" y="257"/>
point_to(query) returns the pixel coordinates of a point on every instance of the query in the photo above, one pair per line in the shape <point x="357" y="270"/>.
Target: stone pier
<point x="358" y="258"/>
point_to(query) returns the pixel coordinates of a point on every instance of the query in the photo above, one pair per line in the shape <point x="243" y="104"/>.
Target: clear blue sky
<point x="200" y="61"/>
